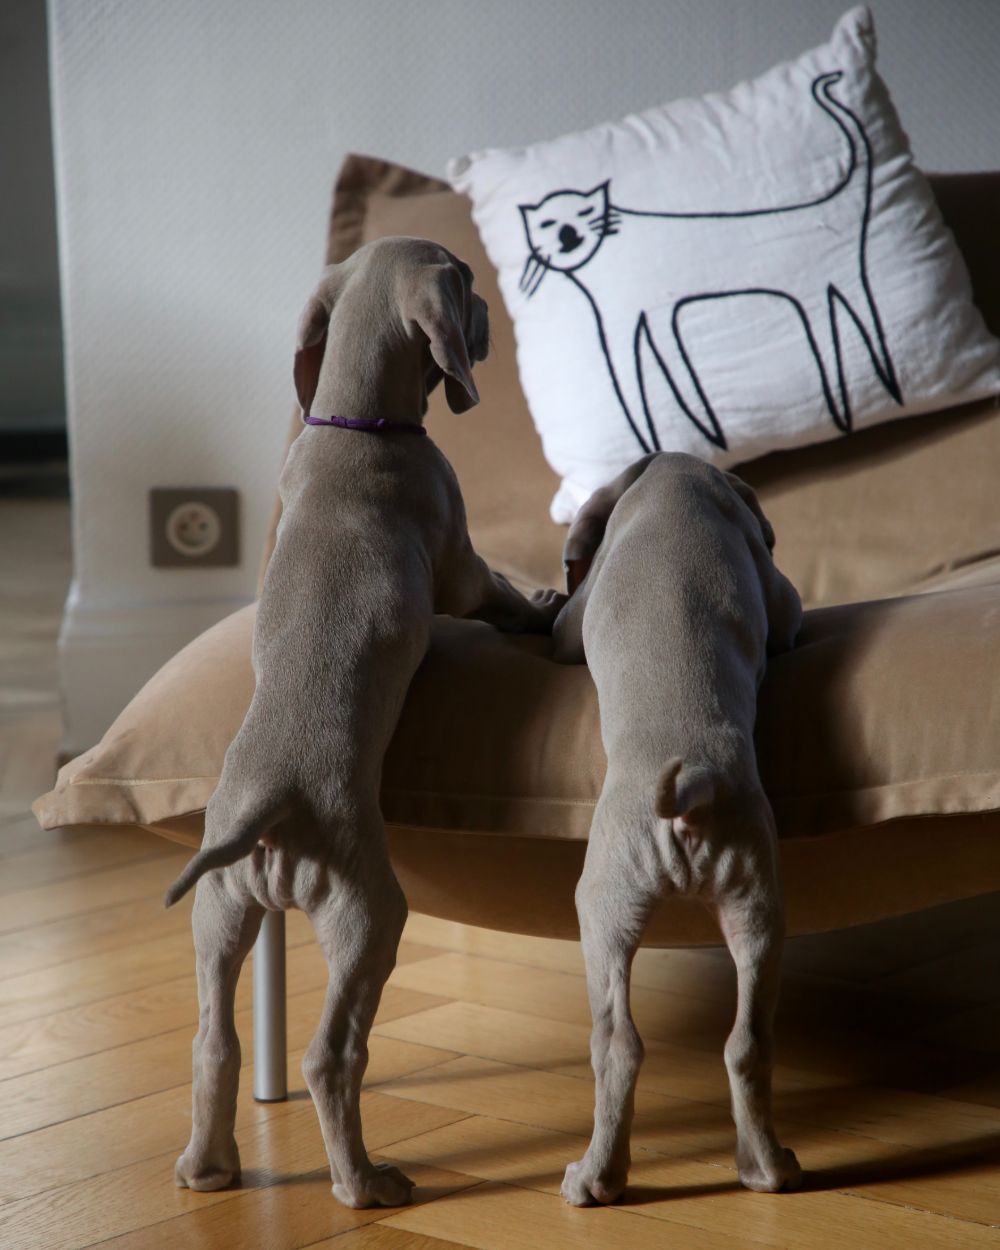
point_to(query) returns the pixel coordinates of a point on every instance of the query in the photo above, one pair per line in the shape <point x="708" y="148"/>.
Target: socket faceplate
<point x="194" y="527"/>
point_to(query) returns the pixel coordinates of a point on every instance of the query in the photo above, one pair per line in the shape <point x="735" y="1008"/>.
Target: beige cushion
<point x="885" y="715"/>
<point x="879" y="715"/>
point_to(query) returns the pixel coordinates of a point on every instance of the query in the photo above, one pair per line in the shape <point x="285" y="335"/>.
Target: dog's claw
<point x="547" y="605"/>
<point x="582" y="1186"/>
<point x="205" y="1177"/>
<point x="781" y="1173"/>
<point x="385" y="1186"/>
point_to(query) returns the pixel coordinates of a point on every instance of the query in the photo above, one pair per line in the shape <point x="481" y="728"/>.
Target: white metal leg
<point x="270" y="1043"/>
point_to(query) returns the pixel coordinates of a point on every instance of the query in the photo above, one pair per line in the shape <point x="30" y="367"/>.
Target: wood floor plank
<point x="114" y="1075"/>
<point x="108" y="978"/>
<point x="553" y="953"/>
<point x="40" y="904"/>
<point x="501" y="1217"/>
<point x="380" y="1237"/>
<point x="677" y="1191"/>
<point x="29" y="735"/>
<point x="62" y="854"/>
<point x="127" y="1200"/>
<point x="950" y="1149"/>
<point x="89" y="933"/>
<point x="19" y="830"/>
<point x="557" y="1046"/>
<point x="153" y="1005"/>
<point x="964" y="977"/>
<point x="984" y="1089"/>
<point x="976" y="1029"/>
<point x="550" y="1101"/>
<point x="129" y="970"/>
<point x="163" y="997"/>
<point x="809" y="1037"/>
<point x="280" y="1217"/>
<point x="868" y="953"/>
<point x="141" y="1127"/>
<point x="110" y="928"/>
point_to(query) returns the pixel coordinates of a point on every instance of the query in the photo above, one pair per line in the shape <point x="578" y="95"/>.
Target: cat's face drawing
<point x="564" y="231"/>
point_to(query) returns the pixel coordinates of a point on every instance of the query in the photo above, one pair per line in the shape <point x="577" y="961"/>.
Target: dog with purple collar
<point x="372" y="543"/>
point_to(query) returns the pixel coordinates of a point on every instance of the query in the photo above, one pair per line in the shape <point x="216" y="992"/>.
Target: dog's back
<point x="678" y="611"/>
<point x="348" y="599"/>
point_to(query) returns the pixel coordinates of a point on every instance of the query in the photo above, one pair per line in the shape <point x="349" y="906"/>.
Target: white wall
<point x="196" y="143"/>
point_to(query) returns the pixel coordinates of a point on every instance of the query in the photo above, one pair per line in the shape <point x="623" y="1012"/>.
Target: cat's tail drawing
<point x="859" y="304"/>
<point x="859" y="149"/>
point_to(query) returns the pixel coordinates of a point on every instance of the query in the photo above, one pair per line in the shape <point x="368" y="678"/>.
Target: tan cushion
<point x="879" y="513"/>
<point x="882" y="714"/>
<point x="885" y="715"/>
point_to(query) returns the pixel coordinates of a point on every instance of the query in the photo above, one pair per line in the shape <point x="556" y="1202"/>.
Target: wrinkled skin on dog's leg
<point x="358" y="924"/>
<point x="225" y="928"/>
<point x="752" y="922"/>
<point x="613" y="900"/>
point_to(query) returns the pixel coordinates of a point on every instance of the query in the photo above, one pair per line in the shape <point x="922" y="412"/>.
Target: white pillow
<point x="730" y="275"/>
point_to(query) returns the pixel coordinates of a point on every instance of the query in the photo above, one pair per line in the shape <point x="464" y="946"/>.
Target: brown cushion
<point x="880" y="513"/>
<point x="885" y="712"/>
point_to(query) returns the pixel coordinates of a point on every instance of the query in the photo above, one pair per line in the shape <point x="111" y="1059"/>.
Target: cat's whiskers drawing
<point x="567" y="230"/>
<point x="569" y="238"/>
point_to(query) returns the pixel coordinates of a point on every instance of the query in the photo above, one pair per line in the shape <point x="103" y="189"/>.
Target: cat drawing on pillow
<point x="590" y="240"/>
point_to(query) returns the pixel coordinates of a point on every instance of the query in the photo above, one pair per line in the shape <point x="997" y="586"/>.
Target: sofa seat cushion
<point x="885" y="710"/>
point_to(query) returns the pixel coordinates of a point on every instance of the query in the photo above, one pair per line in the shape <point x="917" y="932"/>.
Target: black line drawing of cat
<point x="566" y="230"/>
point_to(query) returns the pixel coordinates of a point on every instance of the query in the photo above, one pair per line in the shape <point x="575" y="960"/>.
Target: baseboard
<point x="108" y="651"/>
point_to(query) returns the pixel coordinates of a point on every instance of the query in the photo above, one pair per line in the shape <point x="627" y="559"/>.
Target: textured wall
<point x="196" y="142"/>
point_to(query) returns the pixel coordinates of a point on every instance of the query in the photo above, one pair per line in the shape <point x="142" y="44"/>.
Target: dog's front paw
<point x="583" y="1185"/>
<point x="782" y="1172"/>
<point x="207" y="1174"/>
<point x="383" y="1186"/>
<point x="547" y="604"/>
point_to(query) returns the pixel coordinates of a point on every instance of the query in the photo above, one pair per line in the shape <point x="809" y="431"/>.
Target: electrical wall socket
<point x="191" y="527"/>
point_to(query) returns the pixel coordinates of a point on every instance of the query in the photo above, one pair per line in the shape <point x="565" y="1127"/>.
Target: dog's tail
<point x="684" y="790"/>
<point x="238" y="843"/>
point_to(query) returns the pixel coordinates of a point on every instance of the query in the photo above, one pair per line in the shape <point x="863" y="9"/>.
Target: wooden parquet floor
<point x="888" y="1082"/>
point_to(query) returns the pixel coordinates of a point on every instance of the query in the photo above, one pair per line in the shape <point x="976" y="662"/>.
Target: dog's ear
<point x="453" y="320"/>
<point x="310" y="344"/>
<point x="310" y="339"/>
<point x="684" y="792"/>
<point x="587" y="531"/>
<point x="749" y="497"/>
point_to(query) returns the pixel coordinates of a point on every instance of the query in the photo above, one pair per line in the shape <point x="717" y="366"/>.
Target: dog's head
<point x="404" y="313"/>
<point x="587" y="531"/>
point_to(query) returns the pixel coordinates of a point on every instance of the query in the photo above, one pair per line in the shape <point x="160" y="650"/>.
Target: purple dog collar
<point x="377" y="426"/>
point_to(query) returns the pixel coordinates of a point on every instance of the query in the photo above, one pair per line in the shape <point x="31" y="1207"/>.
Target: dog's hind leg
<point x="613" y="899"/>
<point x="225" y="928"/>
<point x="358" y="925"/>
<point x="751" y="917"/>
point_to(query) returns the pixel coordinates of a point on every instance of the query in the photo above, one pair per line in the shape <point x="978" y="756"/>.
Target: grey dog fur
<point x="676" y="616"/>
<point x="372" y="542"/>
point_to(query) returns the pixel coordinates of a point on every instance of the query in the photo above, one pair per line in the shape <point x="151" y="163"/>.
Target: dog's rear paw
<point x="383" y="1186"/>
<point x="205" y="1175"/>
<point x="584" y="1185"/>
<point x="781" y="1173"/>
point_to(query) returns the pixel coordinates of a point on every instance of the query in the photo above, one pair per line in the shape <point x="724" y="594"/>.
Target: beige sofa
<point x="878" y="737"/>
